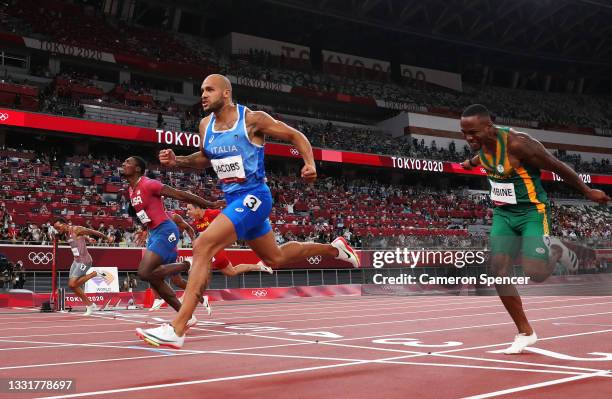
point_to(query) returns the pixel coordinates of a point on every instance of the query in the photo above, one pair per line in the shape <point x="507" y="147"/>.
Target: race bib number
<point x="252" y="202"/>
<point x="144" y="218"/>
<point x="75" y="251"/>
<point x="502" y="193"/>
<point x="230" y="169"/>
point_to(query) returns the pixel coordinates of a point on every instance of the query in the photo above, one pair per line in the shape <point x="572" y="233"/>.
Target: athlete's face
<point x="214" y="95"/>
<point x="475" y="130"/>
<point x="192" y="212"/>
<point x="60" y="227"/>
<point x="129" y="167"/>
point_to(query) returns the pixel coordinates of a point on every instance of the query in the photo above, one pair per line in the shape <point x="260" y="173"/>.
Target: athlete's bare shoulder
<point x="204" y="123"/>
<point x="517" y="141"/>
<point x="524" y="147"/>
<point x="253" y="118"/>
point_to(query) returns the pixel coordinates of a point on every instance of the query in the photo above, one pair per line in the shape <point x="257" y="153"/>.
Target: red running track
<point x="357" y="347"/>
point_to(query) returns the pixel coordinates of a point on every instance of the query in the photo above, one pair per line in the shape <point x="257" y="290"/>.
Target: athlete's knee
<point x="177" y="279"/>
<point x="204" y="246"/>
<point x="273" y="261"/>
<point x="72" y="283"/>
<point x="537" y="271"/>
<point x="145" y="275"/>
<point x="537" y="276"/>
<point x="500" y="265"/>
<point x="229" y="271"/>
<point x="501" y="270"/>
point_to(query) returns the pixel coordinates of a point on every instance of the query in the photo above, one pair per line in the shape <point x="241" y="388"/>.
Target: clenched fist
<point x="167" y="158"/>
<point x="309" y="173"/>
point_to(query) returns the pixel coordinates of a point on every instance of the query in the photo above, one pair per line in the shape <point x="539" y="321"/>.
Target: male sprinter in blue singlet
<point x="232" y="142"/>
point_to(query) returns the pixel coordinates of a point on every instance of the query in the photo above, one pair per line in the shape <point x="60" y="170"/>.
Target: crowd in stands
<point x="68" y="94"/>
<point x="82" y="26"/>
<point x="76" y="25"/>
<point x="582" y="223"/>
<point x="545" y="109"/>
<point x="73" y="25"/>
<point x="37" y="188"/>
<point x="370" y="140"/>
<point x="576" y="162"/>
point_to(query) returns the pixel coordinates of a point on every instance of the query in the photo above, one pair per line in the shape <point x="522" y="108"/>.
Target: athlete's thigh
<point x="504" y="240"/>
<point x="219" y="235"/>
<point x="249" y="213"/>
<point x="501" y="265"/>
<point x="149" y="262"/>
<point x="535" y="229"/>
<point x="78" y="269"/>
<point x="265" y="247"/>
<point x="163" y="241"/>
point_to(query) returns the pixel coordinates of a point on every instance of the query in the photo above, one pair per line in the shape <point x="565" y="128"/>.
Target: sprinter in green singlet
<point x="521" y="218"/>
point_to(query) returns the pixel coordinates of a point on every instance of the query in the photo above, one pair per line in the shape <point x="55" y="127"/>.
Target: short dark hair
<point x="141" y="163"/>
<point x="60" y="220"/>
<point x="476" y="110"/>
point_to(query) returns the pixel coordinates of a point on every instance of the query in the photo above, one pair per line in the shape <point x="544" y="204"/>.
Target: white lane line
<point x="379" y="314"/>
<point x="324" y="328"/>
<point x="496" y="394"/>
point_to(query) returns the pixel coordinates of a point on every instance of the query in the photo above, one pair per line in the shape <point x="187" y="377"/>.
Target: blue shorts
<point x="249" y="210"/>
<point x="163" y="241"/>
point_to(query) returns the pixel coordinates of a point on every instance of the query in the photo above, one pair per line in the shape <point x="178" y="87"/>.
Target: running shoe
<point x="346" y="252"/>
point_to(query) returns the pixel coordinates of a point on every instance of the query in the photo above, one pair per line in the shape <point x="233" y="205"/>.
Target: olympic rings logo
<point x="39" y="258"/>
<point x="3" y="116"/>
<point x="294" y="152"/>
<point x="314" y="260"/>
<point x="259" y="293"/>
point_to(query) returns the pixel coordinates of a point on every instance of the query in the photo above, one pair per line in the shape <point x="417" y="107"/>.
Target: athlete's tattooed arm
<point x="197" y="160"/>
<point x="530" y="151"/>
<point x="260" y="124"/>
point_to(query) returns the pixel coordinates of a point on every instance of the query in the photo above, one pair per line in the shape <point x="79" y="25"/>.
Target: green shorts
<point x="521" y="228"/>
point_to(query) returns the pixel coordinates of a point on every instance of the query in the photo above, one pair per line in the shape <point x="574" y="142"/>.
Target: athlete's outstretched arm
<point x="265" y="124"/>
<point x="184" y="226"/>
<point x="84" y="231"/>
<point x="197" y="160"/>
<point x="186" y="196"/>
<point x="532" y="152"/>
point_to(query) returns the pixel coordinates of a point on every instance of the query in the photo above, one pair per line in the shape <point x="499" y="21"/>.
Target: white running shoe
<point x="157" y="304"/>
<point x="521" y="341"/>
<point x="264" y="268"/>
<point x="346" y="252"/>
<point x="192" y="322"/>
<point x="163" y="335"/>
<point x="206" y="305"/>
<point x="90" y="309"/>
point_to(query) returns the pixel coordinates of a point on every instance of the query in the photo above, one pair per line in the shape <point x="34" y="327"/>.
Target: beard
<point x="214" y="106"/>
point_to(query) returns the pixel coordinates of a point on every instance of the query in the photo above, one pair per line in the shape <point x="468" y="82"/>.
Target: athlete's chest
<point x="139" y="197"/>
<point x="498" y="161"/>
<point x="223" y="144"/>
<point x="202" y="224"/>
